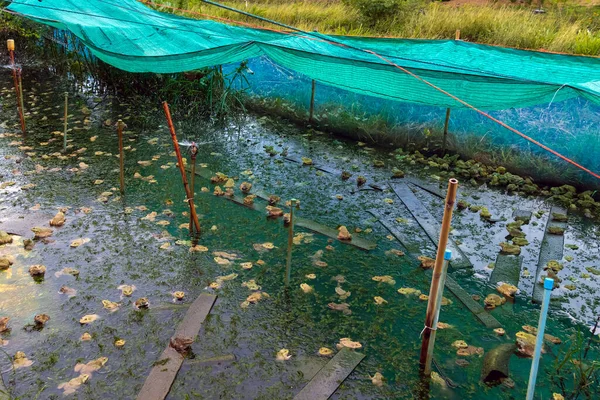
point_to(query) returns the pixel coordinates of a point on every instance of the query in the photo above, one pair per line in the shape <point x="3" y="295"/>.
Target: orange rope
<point x="483" y="113"/>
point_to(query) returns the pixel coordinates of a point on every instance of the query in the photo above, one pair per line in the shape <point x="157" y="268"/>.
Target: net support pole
<point x="10" y="44"/>
<point x="120" y="125"/>
<point x="288" y="262"/>
<point x="21" y="101"/>
<point x="66" y="122"/>
<point x="193" y="154"/>
<point x="539" y="341"/>
<point x="189" y="198"/>
<point x="457" y="35"/>
<point x="312" y="102"/>
<point x="428" y="333"/>
<point x="445" y="138"/>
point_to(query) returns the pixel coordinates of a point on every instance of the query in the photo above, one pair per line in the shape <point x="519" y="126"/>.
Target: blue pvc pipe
<point x="548" y="286"/>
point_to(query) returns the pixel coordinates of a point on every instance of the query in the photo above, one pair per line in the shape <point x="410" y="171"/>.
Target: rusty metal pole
<point x="120" y="126"/>
<point x="428" y="333"/>
<point x="66" y="122"/>
<point x="188" y="193"/>
<point x="193" y="154"/>
<point x="10" y="44"/>
<point x="288" y="263"/>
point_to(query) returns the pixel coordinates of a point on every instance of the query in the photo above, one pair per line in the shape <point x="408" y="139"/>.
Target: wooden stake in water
<point x="120" y="126"/>
<point x="312" y="102"/>
<point x="445" y="131"/>
<point x="288" y="263"/>
<point x="193" y="154"/>
<point x="10" y="44"/>
<point x="457" y="35"/>
<point x="66" y="121"/>
<point x="188" y="193"/>
<point x="436" y="280"/>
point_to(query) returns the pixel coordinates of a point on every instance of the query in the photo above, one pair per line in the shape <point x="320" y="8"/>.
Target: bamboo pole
<point x="436" y="280"/>
<point x="189" y="197"/>
<point x="21" y="102"/>
<point x="120" y="126"/>
<point x="10" y="44"/>
<point x="66" y="122"/>
<point x="288" y="263"/>
<point x="193" y="154"/>
<point x="457" y="35"/>
<point x="312" y="102"/>
<point x="445" y="139"/>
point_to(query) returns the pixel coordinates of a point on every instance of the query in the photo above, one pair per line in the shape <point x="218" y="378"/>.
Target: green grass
<point x="565" y="27"/>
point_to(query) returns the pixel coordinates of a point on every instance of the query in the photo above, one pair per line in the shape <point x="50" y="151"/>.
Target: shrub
<point x="374" y="11"/>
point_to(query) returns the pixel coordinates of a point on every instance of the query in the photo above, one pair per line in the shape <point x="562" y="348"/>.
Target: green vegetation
<point x="564" y="27"/>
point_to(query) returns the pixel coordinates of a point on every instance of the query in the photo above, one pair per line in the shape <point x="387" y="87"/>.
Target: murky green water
<point x="124" y="248"/>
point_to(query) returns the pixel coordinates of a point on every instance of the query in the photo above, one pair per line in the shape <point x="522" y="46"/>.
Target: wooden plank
<point x="507" y="269"/>
<point x="331" y="376"/>
<point x="429" y="224"/>
<point x="551" y="249"/>
<point x="161" y="377"/>
<point x="408" y="241"/>
<point x="433" y="189"/>
<point x="299" y="221"/>
<point x="480" y="313"/>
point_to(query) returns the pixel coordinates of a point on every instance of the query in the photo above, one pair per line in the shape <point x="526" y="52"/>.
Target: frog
<point x="310" y="276"/>
<point x="37" y="270"/>
<point x="343" y="234"/>
<point x="325" y="352"/>
<point x="342" y="293"/>
<point x="110" y="305"/>
<point x="347" y="342"/>
<point x="41" y="233"/>
<point x="249" y="200"/>
<point x="119" y="343"/>
<point x="179" y="295"/>
<point x="426" y="262"/>
<point x="493" y="300"/>
<point x="88" y="319"/>
<point x="343" y="307"/>
<point x="339" y="279"/>
<point x="409" y="291"/>
<point x="41" y="319"/>
<point x="4" y="324"/>
<point x="500" y="331"/>
<point x="274" y="212"/>
<point x="377" y="379"/>
<point x="181" y="344"/>
<point x="251" y="285"/>
<point x="126" y="290"/>
<point x="64" y="289"/>
<point x="384" y="279"/>
<point x="507" y="290"/>
<point x="86" y="337"/>
<point x="58" y="220"/>
<point x="379" y="300"/>
<point x="91" y="366"/>
<point x="306" y="288"/>
<point x="245" y="187"/>
<point x="71" y="386"/>
<point x="283" y="355"/>
<point x="20" y="360"/>
<point x="218" y="191"/>
<point x="141" y="303"/>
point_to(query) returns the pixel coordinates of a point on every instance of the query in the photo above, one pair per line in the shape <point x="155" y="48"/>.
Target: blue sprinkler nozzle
<point x="448" y="255"/>
<point x="548" y="283"/>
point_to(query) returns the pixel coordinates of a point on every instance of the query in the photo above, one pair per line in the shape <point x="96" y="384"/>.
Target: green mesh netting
<point x="135" y="38"/>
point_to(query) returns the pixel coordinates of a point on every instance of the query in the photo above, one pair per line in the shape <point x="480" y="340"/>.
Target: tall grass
<point x="567" y="29"/>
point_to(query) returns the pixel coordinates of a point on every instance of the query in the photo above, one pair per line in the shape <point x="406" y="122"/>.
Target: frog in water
<point x="91" y="366"/>
<point x="71" y="386"/>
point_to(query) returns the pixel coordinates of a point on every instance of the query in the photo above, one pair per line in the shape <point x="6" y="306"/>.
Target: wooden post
<point x="445" y="131"/>
<point x="288" y="263"/>
<point x="193" y="154"/>
<point x="189" y="197"/>
<point x="120" y="125"/>
<point x="21" y="102"/>
<point x="66" y="122"/>
<point x="10" y="44"/>
<point x="312" y="102"/>
<point x="428" y="334"/>
<point x="457" y="35"/>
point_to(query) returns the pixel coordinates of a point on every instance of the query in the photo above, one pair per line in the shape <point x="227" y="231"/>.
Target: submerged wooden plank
<point x="480" y="313"/>
<point x="299" y="221"/>
<point x="429" y="224"/>
<point x="407" y="241"/>
<point x="161" y="377"/>
<point x="507" y="269"/>
<point x="331" y="376"/>
<point x="551" y="249"/>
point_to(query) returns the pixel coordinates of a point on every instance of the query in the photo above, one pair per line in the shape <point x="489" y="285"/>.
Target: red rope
<point x="483" y="113"/>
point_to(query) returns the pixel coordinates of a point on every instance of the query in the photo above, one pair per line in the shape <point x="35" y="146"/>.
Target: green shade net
<point x="135" y="38"/>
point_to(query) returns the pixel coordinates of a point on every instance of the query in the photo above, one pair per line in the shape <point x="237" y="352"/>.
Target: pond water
<point x="127" y="247"/>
